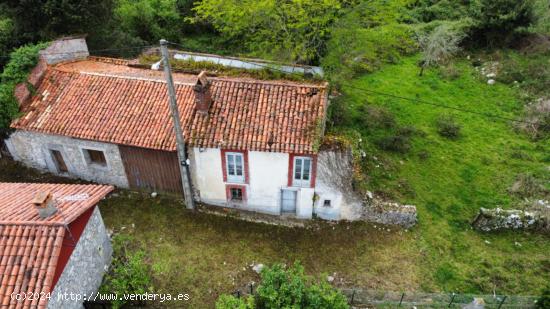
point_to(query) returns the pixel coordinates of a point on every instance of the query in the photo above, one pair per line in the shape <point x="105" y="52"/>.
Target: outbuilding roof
<point x="30" y="246"/>
<point x="117" y="104"/>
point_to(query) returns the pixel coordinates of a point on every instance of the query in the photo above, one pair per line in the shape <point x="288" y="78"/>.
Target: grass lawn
<point x="449" y="180"/>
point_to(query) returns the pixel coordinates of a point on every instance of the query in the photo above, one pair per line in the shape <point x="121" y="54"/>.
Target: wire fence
<point x="365" y="298"/>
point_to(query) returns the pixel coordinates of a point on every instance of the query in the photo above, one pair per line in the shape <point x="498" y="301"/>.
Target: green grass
<point x="449" y="180"/>
<point x="206" y="255"/>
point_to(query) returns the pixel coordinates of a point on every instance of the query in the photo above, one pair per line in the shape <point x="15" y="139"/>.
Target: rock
<point x="491" y="82"/>
<point x="517" y="244"/>
<point x="258" y="268"/>
<point x="330" y="278"/>
<point x="487" y="242"/>
<point x="478" y="303"/>
<point x="154" y="194"/>
<point x="491" y="75"/>
<point x="370" y="195"/>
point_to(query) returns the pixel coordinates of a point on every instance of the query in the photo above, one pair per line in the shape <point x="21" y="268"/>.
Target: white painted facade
<point x="34" y="150"/>
<point x="268" y="176"/>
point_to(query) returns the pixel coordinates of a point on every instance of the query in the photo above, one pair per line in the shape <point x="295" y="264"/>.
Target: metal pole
<point x="452" y="300"/>
<point x="401" y="301"/>
<point x="180" y="142"/>
<point x="502" y="302"/>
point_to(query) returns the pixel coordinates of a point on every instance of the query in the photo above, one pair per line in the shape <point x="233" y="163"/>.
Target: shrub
<point x="396" y="143"/>
<point x="448" y="127"/>
<point x="373" y="117"/>
<point x="537" y="119"/>
<point x="283" y="287"/>
<point x="232" y="302"/>
<point x="544" y="300"/>
<point x="22" y="61"/>
<point x="128" y="274"/>
<point x="527" y="186"/>
<point x="439" y="46"/>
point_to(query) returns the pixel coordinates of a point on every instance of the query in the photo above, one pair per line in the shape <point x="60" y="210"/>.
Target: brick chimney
<point x="203" y="97"/>
<point x="44" y="203"/>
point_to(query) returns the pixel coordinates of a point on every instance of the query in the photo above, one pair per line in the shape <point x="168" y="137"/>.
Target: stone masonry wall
<point x="334" y="183"/>
<point x="88" y="263"/>
<point x="33" y="150"/>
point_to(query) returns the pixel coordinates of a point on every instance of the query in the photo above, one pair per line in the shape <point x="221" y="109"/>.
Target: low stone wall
<point x="498" y="219"/>
<point x="390" y="213"/>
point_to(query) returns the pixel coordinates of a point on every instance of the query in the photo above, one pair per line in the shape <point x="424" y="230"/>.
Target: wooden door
<point x="152" y="169"/>
<point x="59" y="161"/>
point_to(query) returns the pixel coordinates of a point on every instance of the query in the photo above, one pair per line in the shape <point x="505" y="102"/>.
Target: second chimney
<point x="203" y="97"/>
<point x="44" y="203"/>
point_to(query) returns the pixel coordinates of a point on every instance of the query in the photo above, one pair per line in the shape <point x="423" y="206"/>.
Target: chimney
<point x="44" y="203"/>
<point x="203" y="97"/>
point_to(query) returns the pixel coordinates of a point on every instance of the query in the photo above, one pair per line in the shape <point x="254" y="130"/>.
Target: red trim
<point x="291" y="157"/>
<point x="75" y="230"/>
<point x="224" y="165"/>
<point x="228" y="191"/>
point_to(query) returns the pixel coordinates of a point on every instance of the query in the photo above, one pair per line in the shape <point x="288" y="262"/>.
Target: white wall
<point x="207" y="175"/>
<point x="32" y="149"/>
<point x="268" y="175"/>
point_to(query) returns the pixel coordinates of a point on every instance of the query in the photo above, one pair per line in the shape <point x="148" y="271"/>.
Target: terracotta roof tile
<point x="30" y="246"/>
<point x="127" y="109"/>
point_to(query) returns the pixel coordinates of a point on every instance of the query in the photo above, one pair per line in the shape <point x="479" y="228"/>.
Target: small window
<point x="57" y="158"/>
<point x="326" y="203"/>
<point x="235" y="167"/>
<point x="95" y="157"/>
<point x="236" y="194"/>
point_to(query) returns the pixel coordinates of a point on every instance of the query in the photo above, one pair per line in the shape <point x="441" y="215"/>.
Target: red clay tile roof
<point x="30" y="246"/>
<point x="123" y="108"/>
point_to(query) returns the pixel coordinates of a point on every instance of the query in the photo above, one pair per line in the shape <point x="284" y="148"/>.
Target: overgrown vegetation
<point x="270" y="72"/>
<point x="22" y="61"/>
<point x="128" y="273"/>
<point x="448" y="127"/>
<point x="287" y="287"/>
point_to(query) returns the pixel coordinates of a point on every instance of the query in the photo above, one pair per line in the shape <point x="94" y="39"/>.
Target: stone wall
<point x="88" y="263"/>
<point x="497" y="219"/>
<point x="33" y="149"/>
<point x="334" y="183"/>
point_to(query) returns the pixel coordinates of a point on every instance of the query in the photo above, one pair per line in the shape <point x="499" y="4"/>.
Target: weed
<point x="448" y="127"/>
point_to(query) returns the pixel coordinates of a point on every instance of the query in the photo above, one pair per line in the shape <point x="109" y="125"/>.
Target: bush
<point x="128" y="274"/>
<point x="374" y="117"/>
<point x="527" y="186"/>
<point x="544" y="301"/>
<point x="398" y="142"/>
<point x="22" y="61"/>
<point x="232" y="302"/>
<point x="448" y="127"/>
<point x="283" y="287"/>
<point x="537" y="119"/>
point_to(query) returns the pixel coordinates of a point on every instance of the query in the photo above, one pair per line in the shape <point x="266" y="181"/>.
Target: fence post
<point x="452" y="299"/>
<point x="502" y="302"/>
<point x="401" y="301"/>
<point x="251" y="289"/>
<point x="352" y="297"/>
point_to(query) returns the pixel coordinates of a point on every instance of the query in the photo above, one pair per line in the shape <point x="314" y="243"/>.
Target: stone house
<point x="252" y="144"/>
<point x="52" y="241"/>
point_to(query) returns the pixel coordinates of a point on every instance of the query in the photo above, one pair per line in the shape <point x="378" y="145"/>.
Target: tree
<point x="497" y="22"/>
<point x="365" y="37"/>
<point x="438" y="46"/>
<point x="293" y="30"/>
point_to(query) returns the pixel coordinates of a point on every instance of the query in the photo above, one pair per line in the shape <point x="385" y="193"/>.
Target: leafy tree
<point x="151" y="20"/>
<point x="498" y="21"/>
<point x="295" y="30"/>
<point x="367" y="36"/>
<point x="283" y="287"/>
<point x="37" y="20"/>
<point x="22" y="61"/>
<point x="439" y="46"/>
